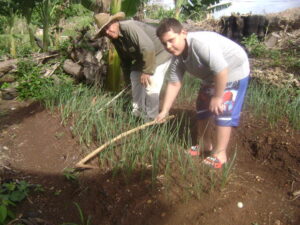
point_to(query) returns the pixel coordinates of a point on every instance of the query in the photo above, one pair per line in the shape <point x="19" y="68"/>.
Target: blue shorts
<point x="233" y="99"/>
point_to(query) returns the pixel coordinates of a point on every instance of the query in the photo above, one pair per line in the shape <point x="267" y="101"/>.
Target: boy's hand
<point x="145" y="79"/>
<point x="160" y="118"/>
<point x="216" y="105"/>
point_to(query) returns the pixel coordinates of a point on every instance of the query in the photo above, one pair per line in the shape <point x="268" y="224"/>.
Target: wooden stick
<point x="113" y="99"/>
<point x="50" y="71"/>
<point x="81" y="163"/>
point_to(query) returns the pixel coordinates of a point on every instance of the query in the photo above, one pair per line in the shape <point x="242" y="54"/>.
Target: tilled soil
<point x="36" y="147"/>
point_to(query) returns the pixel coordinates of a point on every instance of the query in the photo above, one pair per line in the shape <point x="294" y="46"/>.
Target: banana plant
<point x="114" y="64"/>
<point x="9" y="9"/>
<point x="26" y="9"/>
<point x="129" y="7"/>
<point x="178" y="5"/>
<point x="193" y="7"/>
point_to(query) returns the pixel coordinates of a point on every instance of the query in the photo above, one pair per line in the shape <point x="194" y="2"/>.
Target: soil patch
<point x="38" y="148"/>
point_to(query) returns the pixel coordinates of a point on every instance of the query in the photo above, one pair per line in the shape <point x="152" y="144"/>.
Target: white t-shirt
<point x="208" y="54"/>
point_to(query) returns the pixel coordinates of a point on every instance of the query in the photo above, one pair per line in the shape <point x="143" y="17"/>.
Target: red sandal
<point x="213" y="162"/>
<point x="194" y="151"/>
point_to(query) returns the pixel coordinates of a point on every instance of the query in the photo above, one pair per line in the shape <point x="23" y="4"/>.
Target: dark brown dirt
<point x="36" y="147"/>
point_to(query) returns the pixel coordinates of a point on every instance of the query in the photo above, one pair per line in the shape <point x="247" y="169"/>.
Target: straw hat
<point x="102" y="19"/>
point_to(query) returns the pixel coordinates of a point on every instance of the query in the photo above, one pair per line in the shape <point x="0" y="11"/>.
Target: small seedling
<point x="39" y="188"/>
<point x="70" y="174"/>
<point x="57" y="192"/>
<point x="82" y="219"/>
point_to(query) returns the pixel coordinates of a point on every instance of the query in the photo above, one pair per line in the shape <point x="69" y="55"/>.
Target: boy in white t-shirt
<point x="223" y="67"/>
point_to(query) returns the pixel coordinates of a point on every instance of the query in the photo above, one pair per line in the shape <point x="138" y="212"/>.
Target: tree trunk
<point x="28" y="14"/>
<point x="12" y="45"/>
<point x="46" y="21"/>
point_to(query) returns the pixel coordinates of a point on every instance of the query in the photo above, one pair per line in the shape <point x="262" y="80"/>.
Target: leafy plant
<point x="70" y="174"/>
<point x="254" y="46"/>
<point x="30" y="81"/>
<point x="10" y="194"/>
<point x="4" y="85"/>
<point x="158" y="12"/>
<point x="76" y="10"/>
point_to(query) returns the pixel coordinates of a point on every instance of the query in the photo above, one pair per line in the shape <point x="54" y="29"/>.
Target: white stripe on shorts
<point x="224" y="118"/>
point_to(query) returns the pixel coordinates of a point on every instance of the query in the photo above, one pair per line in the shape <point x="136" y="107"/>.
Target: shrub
<point x="254" y="46"/>
<point x="30" y="81"/>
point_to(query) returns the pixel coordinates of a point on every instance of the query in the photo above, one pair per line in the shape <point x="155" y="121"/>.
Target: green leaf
<point x="130" y="7"/>
<point x="10" y="214"/>
<point x="10" y="186"/>
<point x="3" y="213"/>
<point x="17" y="196"/>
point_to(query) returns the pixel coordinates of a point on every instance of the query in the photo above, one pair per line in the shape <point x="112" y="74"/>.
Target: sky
<point x="247" y="6"/>
<point x="257" y="6"/>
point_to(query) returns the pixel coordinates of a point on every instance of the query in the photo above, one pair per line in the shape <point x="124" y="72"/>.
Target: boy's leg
<point x="203" y="134"/>
<point x="233" y="99"/>
<point x="138" y="94"/>
<point x="223" y="137"/>
<point x="153" y="90"/>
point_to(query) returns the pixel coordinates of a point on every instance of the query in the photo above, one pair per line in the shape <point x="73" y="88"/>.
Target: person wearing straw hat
<point x="143" y="59"/>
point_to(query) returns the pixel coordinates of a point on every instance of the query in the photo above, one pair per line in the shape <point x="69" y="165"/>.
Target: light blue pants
<point x="145" y="100"/>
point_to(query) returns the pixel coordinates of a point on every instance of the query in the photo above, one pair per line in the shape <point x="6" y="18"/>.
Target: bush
<point x="254" y="46"/>
<point x="158" y="12"/>
<point x="30" y="81"/>
<point x="76" y="10"/>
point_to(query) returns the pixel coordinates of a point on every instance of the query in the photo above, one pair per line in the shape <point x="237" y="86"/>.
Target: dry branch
<point x="113" y="99"/>
<point x="81" y="163"/>
<point x="50" y="71"/>
<point x="10" y="64"/>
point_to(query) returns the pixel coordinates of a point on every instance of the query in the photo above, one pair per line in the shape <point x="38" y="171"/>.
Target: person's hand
<point x="160" y="118"/>
<point x="145" y="79"/>
<point x="216" y="105"/>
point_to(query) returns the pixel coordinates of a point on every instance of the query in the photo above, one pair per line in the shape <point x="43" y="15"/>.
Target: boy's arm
<point x="216" y="103"/>
<point x="170" y="96"/>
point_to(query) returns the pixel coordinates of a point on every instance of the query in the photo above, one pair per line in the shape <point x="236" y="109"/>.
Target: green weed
<point x="189" y="91"/>
<point x="274" y="103"/>
<point x="227" y="169"/>
<point x="254" y="46"/>
<point x="4" y="85"/>
<point x="30" y="81"/>
<point x="70" y="174"/>
<point x="83" y="220"/>
<point x="158" y="12"/>
<point x="11" y="193"/>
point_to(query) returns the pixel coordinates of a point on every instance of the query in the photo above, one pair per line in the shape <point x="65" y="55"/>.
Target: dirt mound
<point x="285" y="20"/>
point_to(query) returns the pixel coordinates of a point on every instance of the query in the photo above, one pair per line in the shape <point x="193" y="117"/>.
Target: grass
<point x="274" y="103"/>
<point x="189" y="91"/>
<point x="83" y="220"/>
<point x="158" y="149"/>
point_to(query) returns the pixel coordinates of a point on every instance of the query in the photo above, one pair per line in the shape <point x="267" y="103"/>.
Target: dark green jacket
<point x="139" y="48"/>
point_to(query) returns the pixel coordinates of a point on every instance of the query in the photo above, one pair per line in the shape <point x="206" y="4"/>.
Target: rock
<point x="9" y="93"/>
<point x="272" y="40"/>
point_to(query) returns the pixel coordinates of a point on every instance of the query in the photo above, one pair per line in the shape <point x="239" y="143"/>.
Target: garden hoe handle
<point x="81" y="163"/>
